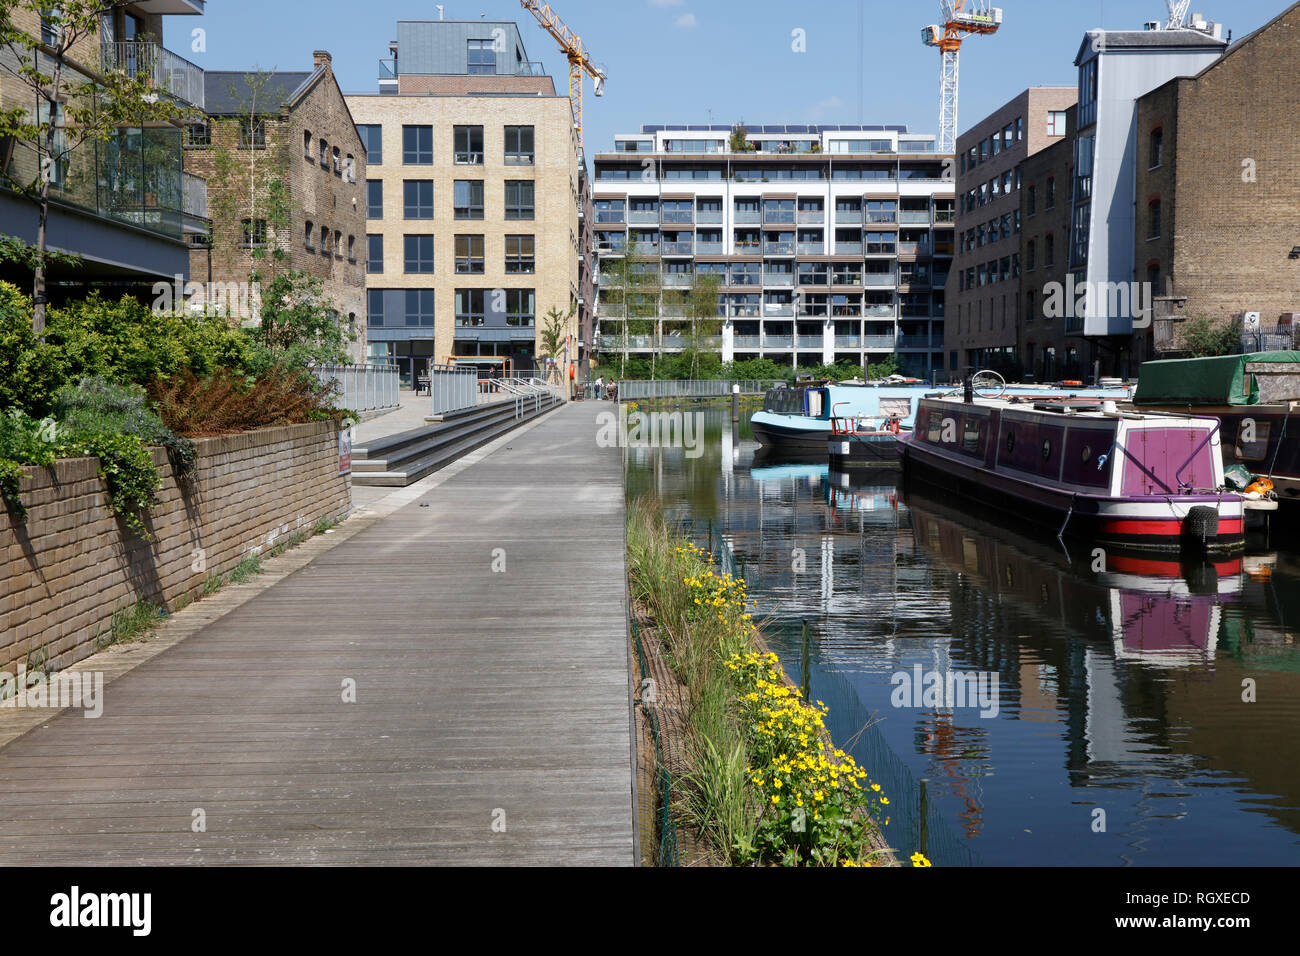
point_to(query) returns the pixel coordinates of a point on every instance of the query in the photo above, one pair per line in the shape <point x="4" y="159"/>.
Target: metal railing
<point x="453" y="387"/>
<point x="167" y="71"/>
<point x="362" y="388"/>
<point x="686" y="388"/>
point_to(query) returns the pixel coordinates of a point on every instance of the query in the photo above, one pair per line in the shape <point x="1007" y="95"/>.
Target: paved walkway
<point x="491" y="718"/>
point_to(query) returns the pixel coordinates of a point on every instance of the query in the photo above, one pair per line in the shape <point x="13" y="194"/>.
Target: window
<point x="419" y="254"/>
<point x="350" y="168"/>
<point x="324" y="153"/>
<point x="374" y="254"/>
<point x="1020" y="128"/>
<point x="1049" y="250"/>
<point x="338" y="162"/>
<point x="1157" y="148"/>
<point x="324" y="240"/>
<point x="1056" y="123"/>
<point x="308" y="234"/>
<point x="482" y="57"/>
<point x="468" y="146"/>
<point x="520" y="255"/>
<point x="352" y="248"/>
<point x="520" y="307"/>
<point x="1256" y="448"/>
<point x="417" y="145"/>
<point x="469" y="307"/>
<point x="469" y="255"/>
<point x="373" y="140"/>
<point x="519" y="146"/>
<point x="1030" y="312"/>
<point x="198" y="135"/>
<point x="1153" y="219"/>
<point x="338" y="244"/>
<point x="307" y="140"/>
<point x="252" y="134"/>
<point x="1050" y="202"/>
<point x="417" y="198"/>
<point x="50" y="29"/>
<point x="374" y="199"/>
<point x="254" y="232"/>
<point x="519" y="199"/>
<point x="1030" y="255"/>
<point x="375" y="308"/>
<point x="419" y="308"/>
<point x="468" y="199"/>
<point x="1031" y="200"/>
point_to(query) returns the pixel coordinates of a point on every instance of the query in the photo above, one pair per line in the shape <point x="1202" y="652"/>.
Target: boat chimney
<point x="968" y="391"/>
<point x="1109" y="408"/>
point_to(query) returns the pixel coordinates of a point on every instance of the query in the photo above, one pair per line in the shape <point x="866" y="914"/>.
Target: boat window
<point x="1047" y="450"/>
<point x="1248" y="449"/>
<point x="1011" y="442"/>
<point x="1086" y="454"/>
<point x="971" y="435"/>
<point x="936" y="426"/>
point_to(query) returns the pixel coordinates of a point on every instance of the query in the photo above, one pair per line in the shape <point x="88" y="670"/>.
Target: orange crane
<point x="960" y="19"/>
<point x="579" y="59"/>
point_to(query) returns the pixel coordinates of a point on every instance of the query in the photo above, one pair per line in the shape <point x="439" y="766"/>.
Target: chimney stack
<point x="322" y="58"/>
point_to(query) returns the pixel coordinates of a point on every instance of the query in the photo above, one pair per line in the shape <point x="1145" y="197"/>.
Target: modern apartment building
<point x="830" y="243"/>
<point x="473" y="199"/>
<point x="985" y="306"/>
<point x="1045" y="350"/>
<point x="1116" y="69"/>
<point x="1217" y="187"/>
<point x="125" y="205"/>
<point x="291" y="128"/>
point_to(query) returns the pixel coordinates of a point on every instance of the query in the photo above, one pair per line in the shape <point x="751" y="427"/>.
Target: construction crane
<point x="579" y="60"/>
<point x="960" y="18"/>
<point x="1177" y="14"/>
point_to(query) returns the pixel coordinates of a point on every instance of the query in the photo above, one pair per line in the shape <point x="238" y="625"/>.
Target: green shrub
<point x="226" y="402"/>
<point x="95" y="407"/>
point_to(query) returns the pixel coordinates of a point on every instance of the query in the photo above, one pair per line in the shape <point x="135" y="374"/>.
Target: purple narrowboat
<point x="1152" y="481"/>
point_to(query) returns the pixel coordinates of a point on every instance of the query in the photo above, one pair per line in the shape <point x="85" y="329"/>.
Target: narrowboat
<point x="1253" y="396"/>
<point x="1148" y="481"/>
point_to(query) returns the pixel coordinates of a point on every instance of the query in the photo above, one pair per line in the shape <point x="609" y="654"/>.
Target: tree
<point x="1203" y="337"/>
<point x="883" y="369"/>
<point x="739" y="138"/>
<point x="76" y="104"/>
<point x="555" y="330"/>
<point x="702" y="310"/>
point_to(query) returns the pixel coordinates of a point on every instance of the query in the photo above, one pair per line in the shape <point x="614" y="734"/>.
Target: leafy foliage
<point x="299" y="326"/>
<point x="226" y="402"/>
<point x="1203" y="337"/>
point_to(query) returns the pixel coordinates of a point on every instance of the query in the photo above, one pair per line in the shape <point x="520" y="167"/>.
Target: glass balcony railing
<point x="781" y="280"/>
<point x="879" y="279"/>
<point x="914" y="217"/>
<point x="160" y="67"/>
<point x="878" y="311"/>
<point x="681" y="248"/>
<point x="644" y="216"/>
<point x="709" y="217"/>
<point x="747" y="216"/>
<point x="878" y="342"/>
<point x="812" y="248"/>
<point x="708" y="248"/>
<point x="778" y="342"/>
<point x="811" y="342"/>
<point x="811" y="216"/>
<point x="747" y="342"/>
<point x="848" y="248"/>
<point x="778" y="248"/>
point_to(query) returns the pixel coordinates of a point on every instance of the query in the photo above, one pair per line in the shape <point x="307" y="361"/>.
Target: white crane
<point x="1177" y="14"/>
<point x="960" y="18"/>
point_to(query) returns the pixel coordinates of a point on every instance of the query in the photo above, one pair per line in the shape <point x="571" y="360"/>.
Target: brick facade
<point x="66" y="569"/>
<point x="330" y="197"/>
<point x="1226" y="235"/>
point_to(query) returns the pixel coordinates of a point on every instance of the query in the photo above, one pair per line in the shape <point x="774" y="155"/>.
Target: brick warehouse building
<point x="303" y="134"/>
<point x="1045" y="349"/>
<point x="985" y="308"/>
<point x="1218" y="185"/>
<point x="473" y="199"/>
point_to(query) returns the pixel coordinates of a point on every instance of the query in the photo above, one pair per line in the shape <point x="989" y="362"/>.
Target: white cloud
<point x="686" y="21"/>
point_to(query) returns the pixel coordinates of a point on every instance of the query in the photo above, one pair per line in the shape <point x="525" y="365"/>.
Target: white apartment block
<point x="831" y="243"/>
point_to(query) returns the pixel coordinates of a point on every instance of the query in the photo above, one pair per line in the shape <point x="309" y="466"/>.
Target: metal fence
<point x="362" y="388"/>
<point x="641" y="390"/>
<point x="453" y="388"/>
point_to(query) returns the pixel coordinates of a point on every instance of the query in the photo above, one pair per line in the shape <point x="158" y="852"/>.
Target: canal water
<point x="1134" y="712"/>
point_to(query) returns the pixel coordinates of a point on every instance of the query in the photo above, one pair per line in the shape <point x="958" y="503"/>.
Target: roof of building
<point x="779" y="129"/>
<point x="229" y="92"/>
<point x="1145" y="40"/>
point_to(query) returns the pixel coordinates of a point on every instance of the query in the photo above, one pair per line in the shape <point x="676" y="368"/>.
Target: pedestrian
<point x="600" y="383"/>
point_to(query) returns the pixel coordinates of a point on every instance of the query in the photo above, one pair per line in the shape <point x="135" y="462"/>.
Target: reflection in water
<point x="1120" y="678"/>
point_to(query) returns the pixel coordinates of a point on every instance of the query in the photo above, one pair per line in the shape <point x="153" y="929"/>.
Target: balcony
<point x="746" y="247"/>
<point x="708" y="217"/>
<point x="945" y="217"/>
<point x="677" y="217"/>
<point x="678" y="248"/>
<point x="613" y="217"/>
<point x="878" y="342"/>
<point x="914" y="217"/>
<point x="777" y="310"/>
<point x="916" y="342"/>
<point x="747" y="216"/>
<point x="913" y="248"/>
<point x="811" y="217"/>
<point x="747" y="342"/>
<point x="814" y="311"/>
<point x="812" y="248"/>
<point x="744" y="312"/>
<point x="846" y="278"/>
<point x="678" y="280"/>
<point x="848" y="341"/>
<point x="779" y="280"/>
<point x="159" y="67"/>
<point x="778" y="342"/>
<point x="708" y="248"/>
<point x="878" y="312"/>
<point x="643" y="217"/>
<point x="881" y="216"/>
<point x="744" y="278"/>
<point x="811" y="342"/>
<point x="779" y="218"/>
<point x="778" y="248"/>
<point x="879" y="280"/>
<point x="849" y="217"/>
<point x="848" y="248"/>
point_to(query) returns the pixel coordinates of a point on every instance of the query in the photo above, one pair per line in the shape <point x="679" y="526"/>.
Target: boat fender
<point x="1201" y="524"/>
<point x="1259" y="487"/>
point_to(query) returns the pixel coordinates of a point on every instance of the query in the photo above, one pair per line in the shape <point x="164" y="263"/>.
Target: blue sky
<point x="720" y="61"/>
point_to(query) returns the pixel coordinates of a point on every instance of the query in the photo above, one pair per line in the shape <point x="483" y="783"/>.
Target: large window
<point x="520" y="255"/>
<point x="419" y="254"/>
<point x="374" y="199"/>
<point x="419" y="308"/>
<point x="252" y="133"/>
<point x="254" y="232"/>
<point x="375" y="308"/>
<point x="469" y="307"/>
<point x="519" y="199"/>
<point x="469" y="255"/>
<point x="374" y="254"/>
<point x="520" y="307"/>
<point x="468" y="200"/>
<point x="1088" y="93"/>
<point x="372" y="136"/>
<point x="519" y="146"/>
<point x="482" y="57"/>
<point x="1157" y="148"/>
<point x="468" y="145"/>
<point x="417" y="198"/>
<point x="1056" y="123"/>
<point x="417" y="145"/>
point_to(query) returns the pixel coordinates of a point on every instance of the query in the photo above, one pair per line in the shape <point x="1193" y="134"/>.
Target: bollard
<point x="735" y="403"/>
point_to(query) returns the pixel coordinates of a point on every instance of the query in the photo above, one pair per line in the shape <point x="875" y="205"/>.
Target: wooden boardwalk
<point x="481" y="697"/>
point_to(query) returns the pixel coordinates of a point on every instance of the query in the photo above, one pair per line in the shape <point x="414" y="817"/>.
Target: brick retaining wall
<point x="72" y="564"/>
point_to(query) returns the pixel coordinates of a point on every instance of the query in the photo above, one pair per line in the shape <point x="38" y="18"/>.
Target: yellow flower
<point x="918" y="859"/>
